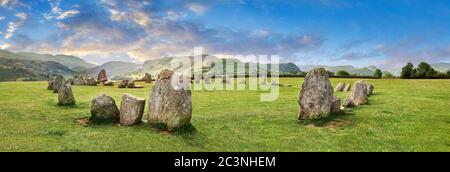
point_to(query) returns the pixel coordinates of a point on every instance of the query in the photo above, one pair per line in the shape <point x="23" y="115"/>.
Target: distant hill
<point x="16" y="69"/>
<point x="441" y="67"/>
<point x="74" y="63"/>
<point x="365" y="71"/>
<point x="114" y="68"/>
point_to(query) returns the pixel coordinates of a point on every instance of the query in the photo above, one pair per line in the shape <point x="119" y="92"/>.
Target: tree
<point x="342" y="73"/>
<point x="448" y="74"/>
<point x="424" y="70"/>
<point x="378" y="73"/>
<point x="387" y="74"/>
<point x="330" y="73"/>
<point x="407" y="71"/>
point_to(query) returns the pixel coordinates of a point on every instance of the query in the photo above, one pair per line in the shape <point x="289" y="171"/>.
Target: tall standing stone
<point x="59" y="81"/>
<point x="358" y="96"/>
<point x="170" y="103"/>
<point x="104" y="107"/>
<point x="102" y="76"/>
<point x="131" y="110"/>
<point x="339" y="87"/>
<point x="65" y="95"/>
<point x="316" y="95"/>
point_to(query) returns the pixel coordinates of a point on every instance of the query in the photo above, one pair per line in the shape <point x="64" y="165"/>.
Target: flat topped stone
<point x="131" y="110"/>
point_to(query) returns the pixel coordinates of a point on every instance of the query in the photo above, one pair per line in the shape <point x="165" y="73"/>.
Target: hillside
<point x="365" y="71"/>
<point x="15" y="69"/>
<point x="114" y="68"/>
<point x="74" y="63"/>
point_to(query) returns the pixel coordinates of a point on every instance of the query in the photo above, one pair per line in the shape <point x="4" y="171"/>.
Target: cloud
<point x="353" y="43"/>
<point x="198" y="9"/>
<point x="58" y="13"/>
<point x="8" y="3"/>
<point x="13" y="26"/>
<point x="2" y="18"/>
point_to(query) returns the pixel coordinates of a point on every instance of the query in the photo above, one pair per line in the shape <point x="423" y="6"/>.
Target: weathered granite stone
<point x="339" y="87"/>
<point x="51" y="84"/>
<point x="65" y="95"/>
<point x="169" y="103"/>
<point x="358" y="96"/>
<point x="108" y="83"/>
<point x="104" y="107"/>
<point x="59" y="81"/>
<point x="91" y="81"/>
<point x="348" y="87"/>
<point x="131" y="110"/>
<point x="102" y="76"/>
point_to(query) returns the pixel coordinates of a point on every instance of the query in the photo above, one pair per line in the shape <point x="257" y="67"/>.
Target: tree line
<point x="422" y="71"/>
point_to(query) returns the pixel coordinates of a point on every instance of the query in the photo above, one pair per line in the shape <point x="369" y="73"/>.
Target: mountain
<point x="365" y="71"/>
<point x="72" y="62"/>
<point x="114" y="68"/>
<point x="441" y="67"/>
<point x="16" y="69"/>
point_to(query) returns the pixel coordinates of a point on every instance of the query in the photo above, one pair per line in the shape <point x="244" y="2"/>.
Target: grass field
<point x="402" y="115"/>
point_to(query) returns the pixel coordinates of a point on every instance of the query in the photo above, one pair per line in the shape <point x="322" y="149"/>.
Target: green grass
<point x="403" y="115"/>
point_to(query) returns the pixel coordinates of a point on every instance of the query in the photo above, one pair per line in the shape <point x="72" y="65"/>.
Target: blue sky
<point x="384" y="33"/>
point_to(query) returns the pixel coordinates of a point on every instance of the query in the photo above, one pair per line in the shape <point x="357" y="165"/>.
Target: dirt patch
<point x="83" y="121"/>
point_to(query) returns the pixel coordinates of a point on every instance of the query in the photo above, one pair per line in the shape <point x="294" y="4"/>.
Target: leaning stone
<point x="167" y="105"/>
<point x="358" y="96"/>
<point x="316" y="95"/>
<point x="339" y="87"/>
<point x="347" y="87"/>
<point x="59" y="81"/>
<point x="108" y="83"/>
<point x="131" y="110"/>
<point x="91" y="81"/>
<point x="102" y="76"/>
<point x="65" y="95"/>
<point x="104" y="107"/>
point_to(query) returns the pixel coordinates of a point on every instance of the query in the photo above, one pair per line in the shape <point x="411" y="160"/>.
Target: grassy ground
<point x="403" y="115"/>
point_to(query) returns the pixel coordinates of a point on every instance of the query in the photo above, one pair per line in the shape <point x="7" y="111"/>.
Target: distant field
<point x="402" y="115"/>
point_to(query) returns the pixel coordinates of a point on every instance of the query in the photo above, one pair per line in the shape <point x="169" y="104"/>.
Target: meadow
<point x="402" y="115"/>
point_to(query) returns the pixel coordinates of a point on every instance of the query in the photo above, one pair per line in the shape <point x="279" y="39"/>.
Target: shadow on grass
<point x="188" y="133"/>
<point x="333" y="121"/>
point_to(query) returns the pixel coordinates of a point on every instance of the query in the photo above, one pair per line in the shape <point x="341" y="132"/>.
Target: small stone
<point x="79" y="80"/>
<point x="358" y="96"/>
<point x="131" y="110"/>
<point x="51" y="84"/>
<point x="123" y="84"/>
<point x="336" y="105"/>
<point x="108" y="83"/>
<point x="147" y="78"/>
<point x="370" y="89"/>
<point x="91" y="81"/>
<point x="348" y="87"/>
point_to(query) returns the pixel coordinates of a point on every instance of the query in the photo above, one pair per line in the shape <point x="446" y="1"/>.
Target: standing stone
<point x="131" y="110"/>
<point x="79" y="80"/>
<point x="131" y="84"/>
<point x="102" y="76"/>
<point x="123" y="84"/>
<point x="339" y="87"/>
<point x="65" y="95"/>
<point x="348" y="87"/>
<point x="147" y="78"/>
<point x="370" y="88"/>
<point x="167" y="105"/>
<point x="104" y="107"/>
<point x="70" y="81"/>
<point x="336" y="105"/>
<point x="59" y="81"/>
<point x="91" y="81"/>
<point x="316" y="95"/>
<point x="108" y="83"/>
<point x="358" y="96"/>
<point x="51" y="84"/>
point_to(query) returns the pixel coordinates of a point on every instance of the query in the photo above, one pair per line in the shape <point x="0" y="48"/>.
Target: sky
<point x="383" y="33"/>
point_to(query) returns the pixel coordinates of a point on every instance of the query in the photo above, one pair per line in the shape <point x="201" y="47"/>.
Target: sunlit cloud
<point x="13" y="26"/>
